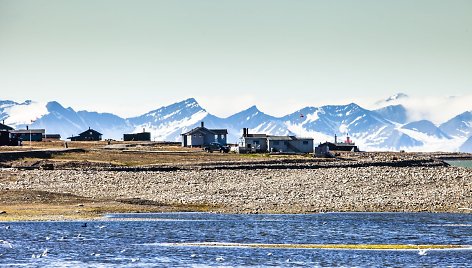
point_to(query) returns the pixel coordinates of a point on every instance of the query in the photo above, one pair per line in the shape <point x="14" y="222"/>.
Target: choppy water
<point x="158" y="240"/>
<point x="460" y="163"/>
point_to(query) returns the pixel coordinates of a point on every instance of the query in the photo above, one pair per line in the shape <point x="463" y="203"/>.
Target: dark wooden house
<point x="143" y="136"/>
<point x="28" y="134"/>
<point x="5" y="127"/>
<point x="88" y="135"/>
<point x="6" y="138"/>
<point x="324" y="149"/>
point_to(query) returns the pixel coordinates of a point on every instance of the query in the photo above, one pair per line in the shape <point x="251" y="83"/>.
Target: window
<point x="222" y="136"/>
<point x="256" y="142"/>
<point x="305" y="142"/>
<point x="285" y="142"/>
<point x="276" y="143"/>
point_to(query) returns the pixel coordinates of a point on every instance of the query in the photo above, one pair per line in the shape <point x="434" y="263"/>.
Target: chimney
<point x="89" y="128"/>
<point x="244" y="132"/>
<point x="3" y="122"/>
<point x="27" y="127"/>
<point x="144" y="130"/>
<point x="203" y="125"/>
<point x="335" y="139"/>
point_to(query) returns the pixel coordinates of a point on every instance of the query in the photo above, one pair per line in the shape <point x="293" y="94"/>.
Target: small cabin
<point x="323" y="149"/>
<point x="143" y="136"/>
<point x="88" y="135"/>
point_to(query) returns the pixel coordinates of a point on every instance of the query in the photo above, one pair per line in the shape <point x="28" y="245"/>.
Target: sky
<point x="129" y="57"/>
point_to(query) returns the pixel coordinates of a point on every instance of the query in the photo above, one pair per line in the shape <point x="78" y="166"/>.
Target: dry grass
<point x="150" y="158"/>
<point x="137" y="153"/>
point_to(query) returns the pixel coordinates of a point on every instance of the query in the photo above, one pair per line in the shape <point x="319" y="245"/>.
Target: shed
<point x="143" y="136"/>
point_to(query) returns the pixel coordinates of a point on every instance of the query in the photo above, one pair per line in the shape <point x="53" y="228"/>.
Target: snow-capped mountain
<point x="257" y="122"/>
<point x="459" y="126"/>
<point x="386" y="128"/>
<point x="168" y="122"/>
<point x="394" y="113"/>
<point x="394" y="99"/>
<point x="368" y="128"/>
<point x="426" y="127"/>
<point x="67" y="122"/>
<point x="467" y="146"/>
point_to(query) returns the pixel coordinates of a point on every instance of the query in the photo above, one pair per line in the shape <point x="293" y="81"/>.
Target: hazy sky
<point x="129" y="57"/>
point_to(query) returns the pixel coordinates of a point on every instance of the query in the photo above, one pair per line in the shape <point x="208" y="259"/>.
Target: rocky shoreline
<point x="373" y="185"/>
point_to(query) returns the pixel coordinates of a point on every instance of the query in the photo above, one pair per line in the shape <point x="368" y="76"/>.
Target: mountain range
<point x="386" y="128"/>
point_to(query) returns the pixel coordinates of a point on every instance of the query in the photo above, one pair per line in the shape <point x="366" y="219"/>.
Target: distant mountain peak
<point x="396" y="97"/>
<point x="393" y="99"/>
<point x="252" y="109"/>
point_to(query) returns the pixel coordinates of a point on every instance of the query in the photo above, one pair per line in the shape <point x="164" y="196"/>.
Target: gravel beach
<point x="265" y="190"/>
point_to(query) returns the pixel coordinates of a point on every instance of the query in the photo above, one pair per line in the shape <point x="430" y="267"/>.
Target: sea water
<point x="181" y="240"/>
<point x="460" y="163"/>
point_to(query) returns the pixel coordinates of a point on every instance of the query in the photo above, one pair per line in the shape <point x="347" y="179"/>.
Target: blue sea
<point x="200" y="240"/>
<point x="460" y="163"/>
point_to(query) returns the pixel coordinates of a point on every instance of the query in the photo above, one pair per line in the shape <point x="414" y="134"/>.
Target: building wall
<point x="26" y="136"/>
<point x="200" y="139"/>
<point x="4" y="138"/>
<point x="255" y="144"/>
<point x="143" y="136"/>
<point x="221" y="139"/>
<point x="296" y="146"/>
<point x="196" y="139"/>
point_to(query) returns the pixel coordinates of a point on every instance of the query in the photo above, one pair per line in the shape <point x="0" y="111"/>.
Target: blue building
<point x="202" y="136"/>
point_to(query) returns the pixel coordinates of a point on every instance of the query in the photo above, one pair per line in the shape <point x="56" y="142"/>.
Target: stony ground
<point x="435" y="189"/>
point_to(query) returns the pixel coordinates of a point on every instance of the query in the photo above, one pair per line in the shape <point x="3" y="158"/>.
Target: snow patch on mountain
<point x="171" y="130"/>
<point x="25" y="113"/>
<point x="466" y="147"/>
<point x="430" y="142"/>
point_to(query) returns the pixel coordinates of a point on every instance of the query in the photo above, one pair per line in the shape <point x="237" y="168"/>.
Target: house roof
<point x="92" y="130"/>
<point x="339" y="144"/>
<point x="205" y="130"/>
<point x="28" y="131"/>
<point x="255" y="136"/>
<point x="219" y="131"/>
<point x="5" y="127"/>
<point x="286" y="138"/>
